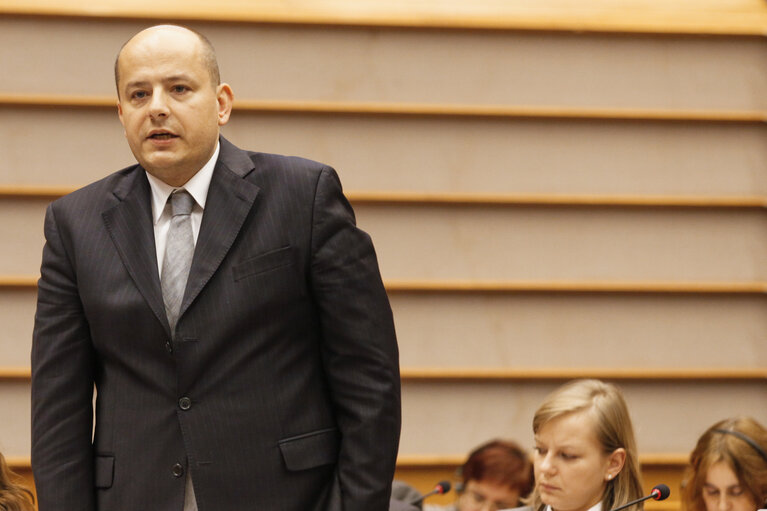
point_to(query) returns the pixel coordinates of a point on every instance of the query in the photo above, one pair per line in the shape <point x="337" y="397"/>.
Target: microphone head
<point x="660" y="492"/>
<point x="442" y="487"/>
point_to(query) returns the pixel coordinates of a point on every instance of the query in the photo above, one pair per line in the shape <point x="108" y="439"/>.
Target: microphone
<point x="659" y="492"/>
<point x="441" y="488"/>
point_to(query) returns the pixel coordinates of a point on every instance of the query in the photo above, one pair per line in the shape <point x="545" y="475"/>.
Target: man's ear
<point x="615" y="462"/>
<point x="225" y="98"/>
<point x="120" y="112"/>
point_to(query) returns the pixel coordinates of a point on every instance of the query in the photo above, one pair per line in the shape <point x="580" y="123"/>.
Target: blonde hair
<point x="13" y="496"/>
<point x="613" y="430"/>
<point x="739" y="442"/>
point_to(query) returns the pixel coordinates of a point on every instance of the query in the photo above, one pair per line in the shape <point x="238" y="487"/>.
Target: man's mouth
<point x="162" y="136"/>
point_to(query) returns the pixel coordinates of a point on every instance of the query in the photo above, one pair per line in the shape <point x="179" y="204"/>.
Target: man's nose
<point x="724" y="502"/>
<point x="158" y="106"/>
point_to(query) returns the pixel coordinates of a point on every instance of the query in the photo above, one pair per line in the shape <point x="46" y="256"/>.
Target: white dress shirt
<point x="197" y="187"/>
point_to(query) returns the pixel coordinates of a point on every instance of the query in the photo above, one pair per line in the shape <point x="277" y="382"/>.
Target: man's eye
<point x="540" y="450"/>
<point x="179" y="88"/>
<point x="712" y="492"/>
<point x="737" y="491"/>
<point x="139" y="94"/>
<point x="567" y="456"/>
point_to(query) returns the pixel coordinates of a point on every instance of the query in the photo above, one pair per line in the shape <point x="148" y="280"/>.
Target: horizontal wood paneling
<point x="415" y="109"/>
<point x="574" y="286"/>
<point x="523" y="287"/>
<point x="15" y="374"/>
<point x="668" y="416"/>
<point x="653" y="374"/>
<point x="485" y="375"/>
<point x="522" y="331"/>
<point x="413" y="66"/>
<point x="17" y="313"/>
<point x="15" y="426"/>
<point x="534" y="244"/>
<point x="576" y="245"/>
<point x="50" y="193"/>
<point x="747" y="17"/>
<point x="632" y="331"/>
<point x="21" y="232"/>
<point x="636" y="162"/>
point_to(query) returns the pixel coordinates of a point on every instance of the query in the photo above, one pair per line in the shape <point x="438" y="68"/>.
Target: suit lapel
<point x="230" y="199"/>
<point x="131" y="228"/>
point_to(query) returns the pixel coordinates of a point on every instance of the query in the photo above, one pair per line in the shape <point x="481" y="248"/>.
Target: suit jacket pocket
<point x="311" y="449"/>
<point x="264" y="262"/>
<point x="103" y="471"/>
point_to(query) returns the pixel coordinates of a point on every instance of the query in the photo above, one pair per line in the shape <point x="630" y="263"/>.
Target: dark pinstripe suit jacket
<point x="281" y="388"/>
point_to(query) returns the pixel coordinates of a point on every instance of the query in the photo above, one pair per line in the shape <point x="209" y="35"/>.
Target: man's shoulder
<point x="265" y="167"/>
<point x="285" y="163"/>
<point x="288" y="173"/>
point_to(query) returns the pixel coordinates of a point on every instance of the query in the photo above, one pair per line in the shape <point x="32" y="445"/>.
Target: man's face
<point x="168" y="105"/>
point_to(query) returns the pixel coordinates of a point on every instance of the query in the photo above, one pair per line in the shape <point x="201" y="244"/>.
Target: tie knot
<point x="181" y="202"/>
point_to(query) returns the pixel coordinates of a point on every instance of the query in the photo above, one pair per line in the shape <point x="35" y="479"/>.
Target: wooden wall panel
<point x="449" y="418"/>
<point x="546" y="330"/>
<point x="15" y="423"/>
<point x="384" y="64"/>
<point x="515" y="243"/>
<point x="517" y="330"/>
<point x="21" y="232"/>
<point x="643" y="16"/>
<point x="80" y="146"/>
<point x="519" y="156"/>
<point x="17" y="312"/>
<point x="426" y="154"/>
<point x="538" y="243"/>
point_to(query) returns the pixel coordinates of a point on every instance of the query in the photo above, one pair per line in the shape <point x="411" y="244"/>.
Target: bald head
<point x="154" y="36"/>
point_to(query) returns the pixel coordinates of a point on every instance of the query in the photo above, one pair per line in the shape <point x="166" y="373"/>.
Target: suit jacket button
<point x="177" y="470"/>
<point x="168" y="347"/>
<point x="185" y="403"/>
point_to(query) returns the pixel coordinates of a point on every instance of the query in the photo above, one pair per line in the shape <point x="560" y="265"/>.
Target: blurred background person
<point x="13" y="496"/>
<point x="496" y="475"/>
<point x="728" y="468"/>
<point x="585" y="455"/>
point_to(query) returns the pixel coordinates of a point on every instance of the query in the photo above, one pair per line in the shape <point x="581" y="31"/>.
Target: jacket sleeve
<point x="359" y="349"/>
<point x="62" y="384"/>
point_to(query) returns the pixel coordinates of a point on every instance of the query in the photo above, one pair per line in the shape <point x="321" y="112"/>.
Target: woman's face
<point x="723" y="492"/>
<point x="571" y="468"/>
<point x="487" y="496"/>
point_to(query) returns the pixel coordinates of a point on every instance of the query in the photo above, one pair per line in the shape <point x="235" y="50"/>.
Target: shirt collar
<point x="197" y="187"/>
<point x="595" y="507"/>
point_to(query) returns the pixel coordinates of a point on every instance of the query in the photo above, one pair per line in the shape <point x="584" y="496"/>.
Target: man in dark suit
<point x="238" y="334"/>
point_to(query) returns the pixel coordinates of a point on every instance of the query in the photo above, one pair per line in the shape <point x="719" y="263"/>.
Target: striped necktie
<point x="179" y="249"/>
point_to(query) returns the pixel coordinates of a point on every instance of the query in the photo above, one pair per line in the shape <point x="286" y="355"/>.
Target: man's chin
<point x="160" y="162"/>
<point x="172" y="172"/>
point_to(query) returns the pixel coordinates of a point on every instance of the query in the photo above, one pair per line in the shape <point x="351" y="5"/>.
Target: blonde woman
<point x="728" y="468"/>
<point x="585" y="455"/>
<point x="13" y="497"/>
